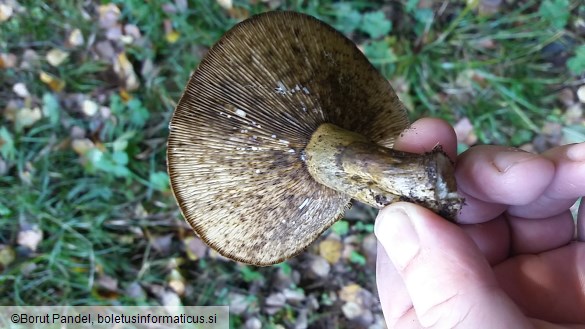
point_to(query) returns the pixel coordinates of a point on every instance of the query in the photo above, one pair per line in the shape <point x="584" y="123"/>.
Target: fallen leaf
<point x="54" y="83"/>
<point x="350" y="292"/>
<point x="176" y="282"/>
<point x="20" y="89"/>
<point x="108" y="15"/>
<point x="465" y="132"/>
<point x="56" y="56"/>
<point x="75" y="38"/>
<point x="107" y="283"/>
<point x="82" y="145"/>
<point x="125" y="72"/>
<point x="5" y="12"/>
<point x="195" y="248"/>
<point x="27" y="117"/>
<point x="238" y="13"/>
<point x="7" y="60"/>
<point x="30" y="238"/>
<point x="330" y="249"/>
<point x="132" y="31"/>
<point x="7" y="256"/>
<point x="172" y="36"/>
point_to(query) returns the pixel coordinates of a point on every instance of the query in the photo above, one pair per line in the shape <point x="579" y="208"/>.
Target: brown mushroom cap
<point x="235" y="149"/>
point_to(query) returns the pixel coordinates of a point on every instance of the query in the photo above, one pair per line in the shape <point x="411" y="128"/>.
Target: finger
<point x="548" y="286"/>
<point x="533" y="236"/>
<point x="477" y="211"/>
<point x="448" y="280"/>
<point x="502" y="175"/>
<point x="426" y="133"/>
<point x="393" y="295"/>
<point x="492" y="238"/>
<point x="581" y="221"/>
<point x="565" y="188"/>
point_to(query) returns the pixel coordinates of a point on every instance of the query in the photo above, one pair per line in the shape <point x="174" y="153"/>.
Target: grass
<point x="107" y="212"/>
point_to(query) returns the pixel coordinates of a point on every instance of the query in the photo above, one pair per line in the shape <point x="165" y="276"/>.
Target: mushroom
<point x="281" y="125"/>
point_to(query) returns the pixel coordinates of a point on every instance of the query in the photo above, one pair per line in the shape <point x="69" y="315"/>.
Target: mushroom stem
<point x="350" y="163"/>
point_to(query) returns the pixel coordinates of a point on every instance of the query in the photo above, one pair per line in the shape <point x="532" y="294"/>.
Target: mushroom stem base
<point x="350" y="163"/>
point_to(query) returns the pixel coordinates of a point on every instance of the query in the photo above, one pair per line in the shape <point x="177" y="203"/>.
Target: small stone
<point x="253" y="323"/>
<point x="319" y="267"/>
<point x="134" y="290"/>
<point x="581" y="94"/>
<point x="275" y="300"/>
<point x="238" y="303"/>
<point x="20" y="89"/>
<point x="294" y="296"/>
<point x="89" y="107"/>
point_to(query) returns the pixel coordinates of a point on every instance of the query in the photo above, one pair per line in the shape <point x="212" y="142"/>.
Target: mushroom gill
<point x="282" y="123"/>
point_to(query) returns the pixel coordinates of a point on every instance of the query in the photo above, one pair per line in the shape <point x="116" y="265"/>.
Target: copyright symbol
<point x="15" y="318"/>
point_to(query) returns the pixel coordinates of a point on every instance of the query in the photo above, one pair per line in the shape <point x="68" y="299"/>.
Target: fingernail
<point x="506" y="160"/>
<point x="576" y="152"/>
<point x="396" y="233"/>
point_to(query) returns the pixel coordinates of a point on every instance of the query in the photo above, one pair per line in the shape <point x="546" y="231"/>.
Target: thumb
<point x="449" y="282"/>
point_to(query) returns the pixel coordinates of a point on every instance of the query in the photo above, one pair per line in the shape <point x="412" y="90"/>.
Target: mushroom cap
<point x="235" y="148"/>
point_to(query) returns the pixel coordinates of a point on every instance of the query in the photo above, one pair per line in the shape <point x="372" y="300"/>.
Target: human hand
<point x="511" y="262"/>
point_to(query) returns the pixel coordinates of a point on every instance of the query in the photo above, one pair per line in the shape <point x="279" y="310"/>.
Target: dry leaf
<point x="132" y="30"/>
<point x="30" y="238"/>
<point x="330" y="249"/>
<point x="350" y="293"/>
<point x="108" y="15"/>
<point x="75" y="38"/>
<point x="82" y="146"/>
<point x="107" y="283"/>
<point x="225" y="4"/>
<point x="195" y="248"/>
<point x="177" y="282"/>
<point x="7" y="256"/>
<point x="7" y="60"/>
<point x="465" y="132"/>
<point x="125" y="72"/>
<point x="239" y="13"/>
<point x="56" y="56"/>
<point x="5" y="12"/>
<point x="172" y="36"/>
<point x="54" y="83"/>
<point x="26" y="117"/>
<point x="20" y="90"/>
<point x="89" y="107"/>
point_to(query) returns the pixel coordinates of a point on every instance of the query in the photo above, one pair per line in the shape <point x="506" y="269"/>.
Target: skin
<point x="514" y="260"/>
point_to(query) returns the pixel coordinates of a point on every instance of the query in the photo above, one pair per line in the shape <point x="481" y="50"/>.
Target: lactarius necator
<point x="283" y="122"/>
